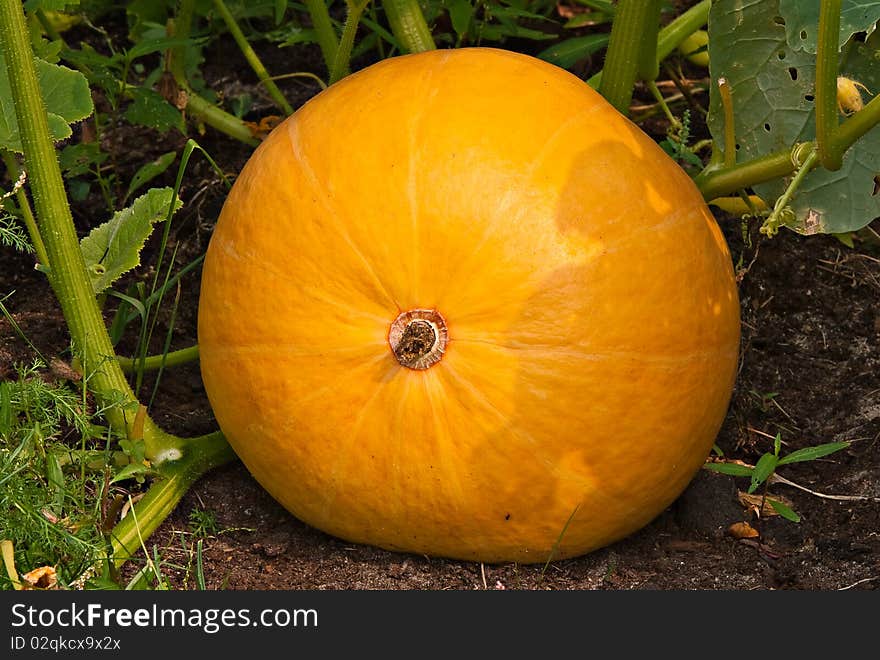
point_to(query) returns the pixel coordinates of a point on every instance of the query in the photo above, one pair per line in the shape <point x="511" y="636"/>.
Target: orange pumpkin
<point x="458" y="305"/>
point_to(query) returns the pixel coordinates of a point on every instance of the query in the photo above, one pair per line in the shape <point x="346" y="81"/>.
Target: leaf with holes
<point x="113" y="248"/>
<point x="802" y="21"/>
<point x="772" y="90"/>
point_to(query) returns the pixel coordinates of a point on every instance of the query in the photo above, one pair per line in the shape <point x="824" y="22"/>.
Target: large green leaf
<point x="802" y="20"/>
<point x="149" y="109"/>
<point x="114" y="248"/>
<point x="772" y="87"/>
<point x="65" y="92"/>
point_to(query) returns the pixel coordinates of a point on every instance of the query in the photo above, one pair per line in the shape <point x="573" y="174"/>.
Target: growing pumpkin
<point x="458" y="305"/>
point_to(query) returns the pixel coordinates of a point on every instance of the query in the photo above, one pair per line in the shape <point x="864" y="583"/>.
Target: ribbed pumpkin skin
<point x="592" y="312"/>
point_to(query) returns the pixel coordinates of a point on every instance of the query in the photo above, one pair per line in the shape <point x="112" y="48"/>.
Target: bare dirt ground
<point x="810" y="370"/>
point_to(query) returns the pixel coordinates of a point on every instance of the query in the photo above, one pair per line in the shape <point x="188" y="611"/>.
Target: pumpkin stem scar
<point x="418" y="338"/>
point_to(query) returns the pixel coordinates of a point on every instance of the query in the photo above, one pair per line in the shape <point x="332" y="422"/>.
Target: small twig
<point x="483" y="573"/>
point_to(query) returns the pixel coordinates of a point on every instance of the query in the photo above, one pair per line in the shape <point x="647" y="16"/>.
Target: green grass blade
<point x="812" y="453"/>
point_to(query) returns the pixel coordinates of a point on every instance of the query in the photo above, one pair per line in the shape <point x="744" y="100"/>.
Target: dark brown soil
<point x="810" y="371"/>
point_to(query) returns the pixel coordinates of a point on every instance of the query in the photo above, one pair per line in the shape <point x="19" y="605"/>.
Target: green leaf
<point x="567" y="53"/>
<point x="78" y="159"/>
<point x="153" y="45"/>
<point x="143" y="13"/>
<point x="733" y="469"/>
<point x="846" y="238"/>
<point x="149" y="109"/>
<point x="802" y="21"/>
<point x="772" y="87"/>
<point x="460" y="13"/>
<point x="129" y="471"/>
<point x="588" y="18"/>
<point x="763" y="469"/>
<point x="784" y="510"/>
<point x="79" y="189"/>
<point x="812" y="453"/>
<point x="113" y="249"/>
<point x="66" y="95"/>
<point x="149" y="171"/>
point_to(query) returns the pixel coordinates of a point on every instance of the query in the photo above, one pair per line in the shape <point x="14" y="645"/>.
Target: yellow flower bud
<point x="849" y="98"/>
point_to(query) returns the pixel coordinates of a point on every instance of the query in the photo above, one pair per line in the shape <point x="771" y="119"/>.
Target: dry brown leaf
<point x="41" y="578"/>
<point x="262" y="129"/>
<point x="566" y="11"/>
<point x="742" y="530"/>
<point x="760" y="504"/>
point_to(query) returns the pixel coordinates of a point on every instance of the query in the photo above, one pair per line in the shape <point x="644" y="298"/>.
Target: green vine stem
<point x="198" y="107"/>
<point x="24" y="206"/>
<point x="858" y="124"/>
<point x="70" y="279"/>
<point x="829" y="147"/>
<point x="669" y="38"/>
<point x="408" y="25"/>
<point x="664" y="106"/>
<point x="153" y="362"/>
<point x="649" y="66"/>
<point x="252" y="58"/>
<point x="342" y="60"/>
<point x="777" y="216"/>
<point x="302" y="74"/>
<point x="206" y="452"/>
<point x="178" y="462"/>
<point x="323" y="30"/>
<point x="631" y="32"/>
<point x="714" y="183"/>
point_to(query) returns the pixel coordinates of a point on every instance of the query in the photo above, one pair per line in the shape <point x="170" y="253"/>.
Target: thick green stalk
<point x="218" y="119"/>
<point x="719" y="181"/>
<point x="70" y="279"/>
<point x="202" y="454"/>
<point x="681" y="28"/>
<point x="342" y="60"/>
<point x="673" y="34"/>
<point x="649" y="65"/>
<point x="408" y="25"/>
<point x="324" y="30"/>
<point x="830" y="151"/>
<point x="859" y="124"/>
<point x="251" y="57"/>
<point x="634" y="20"/>
<point x="726" y="180"/>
